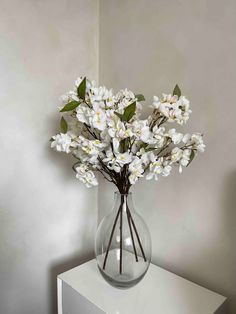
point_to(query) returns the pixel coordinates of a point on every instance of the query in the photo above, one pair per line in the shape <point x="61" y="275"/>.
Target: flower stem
<point x="111" y="236"/>
<point x="121" y="233"/>
<point x="132" y="236"/>
<point x="137" y="235"/>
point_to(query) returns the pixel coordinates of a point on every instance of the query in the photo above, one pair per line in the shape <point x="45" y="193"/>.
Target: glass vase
<point x="123" y="244"/>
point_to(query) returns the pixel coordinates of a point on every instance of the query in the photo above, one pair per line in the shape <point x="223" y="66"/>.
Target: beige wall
<point x="47" y="218"/>
<point x="148" y="46"/>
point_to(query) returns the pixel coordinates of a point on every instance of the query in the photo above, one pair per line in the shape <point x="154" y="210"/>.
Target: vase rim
<point x="118" y="193"/>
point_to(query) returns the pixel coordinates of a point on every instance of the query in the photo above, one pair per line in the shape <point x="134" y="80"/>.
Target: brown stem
<point x="111" y="236"/>
<point x="132" y="236"/>
<point x="137" y="235"/>
<point x="121" y="235"/>
<point x="104" y="176"/>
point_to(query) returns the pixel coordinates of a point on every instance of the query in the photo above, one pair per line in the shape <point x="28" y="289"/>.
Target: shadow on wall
<point x="229" y="223"/>
<point x="212" y="265"/>
<point x="60" y="268"/>
<point x="64" y="163"/>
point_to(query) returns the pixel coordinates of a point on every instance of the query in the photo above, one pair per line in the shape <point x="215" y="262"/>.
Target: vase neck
<point x="123" y="201"/>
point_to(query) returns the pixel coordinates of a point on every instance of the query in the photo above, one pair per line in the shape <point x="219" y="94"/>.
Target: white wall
<point x="47" y="218"/>
<point x="148" y="46"/>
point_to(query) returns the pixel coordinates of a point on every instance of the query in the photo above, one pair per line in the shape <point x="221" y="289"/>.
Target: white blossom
<point x="181" y="156"/>
<point x="101" y="94"/>
<point x="98" y="120"/>
<point x="156" y="102"/>
<point x="70" y="96"/>
<point x="198" y="143"/>
<point x="111" y="161"/>
<point x="61" y="142"/>
<point x="86" y="176"/>
<point x="176" y="137"/>
<point x="194" y="141"/>
<point x="136" y="170"/>
<point x="158" y="136"/>
<point x="118" y="129"/>
<point x="176" y="154"/>
<point x="159" y="167"/>
<point x="84" y="114"/>
<point x="123" y="158"/>
<point x="146" y="157"/>
<point x="124" y="97"/>
<point x="141" y="130"/>
<point x="174" y="108"/>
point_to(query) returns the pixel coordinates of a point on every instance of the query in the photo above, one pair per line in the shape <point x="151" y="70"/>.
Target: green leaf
<point x="192" y="155"/>
<point x="82" y="89"/>
<point x="129" y="112"/>
<point x="70" y="106"/>
<point x="143" y="145"/>
<point x="51" y="139"/>
<point x="123" y="146"/>
<point x="64" y="126"/>
<point x="177" y="91"/>
<point x="119" y="115"/>
<point x="140" y="97"/>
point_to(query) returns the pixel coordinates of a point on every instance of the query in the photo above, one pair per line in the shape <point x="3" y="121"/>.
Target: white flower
<point x="88" y="146"/>
<point x="148" y="157"/>
<point x="184" y="161"/>
<point x="116" y="145"/>
<point x="175" y="136"/>
<point x="158" y="136"/>
<point x="173" y="108"/>
<point x="159" y="167"/>
<point x="111" y="161"/>
<point x="186" y="138"/>
<point x="136" y="170"/>
<point x="70" y="96"/>
<point x="182" y="157"/>
<point x="86" y="176"/>
<point x="141" y="130"/>
<point x="156" y="102"/>
<point x="101" y="94"/>
<point x="194" y="141"/>
<point x="61" y="142"/>
<point x="124" y="98"/>
<point x="81" y="155"/>
<point x="168" y="98"/>
<point x="198" y="142"/>
<point x="184" y="105"/>
<point x="123" y="158"/>
<point x="84" y="114"/>
<point x="176" y="154"/>
<point x="91" y="148"/>
<point x="98" y="120"/>
<point x="118" y="129"/>
<point x="170" y="111"/>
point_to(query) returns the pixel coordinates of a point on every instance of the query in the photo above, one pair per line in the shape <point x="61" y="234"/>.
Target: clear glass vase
<point x="123" y="244"/>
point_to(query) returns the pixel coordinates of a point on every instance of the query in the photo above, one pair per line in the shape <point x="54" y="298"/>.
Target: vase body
<point x="123" y="244"/>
